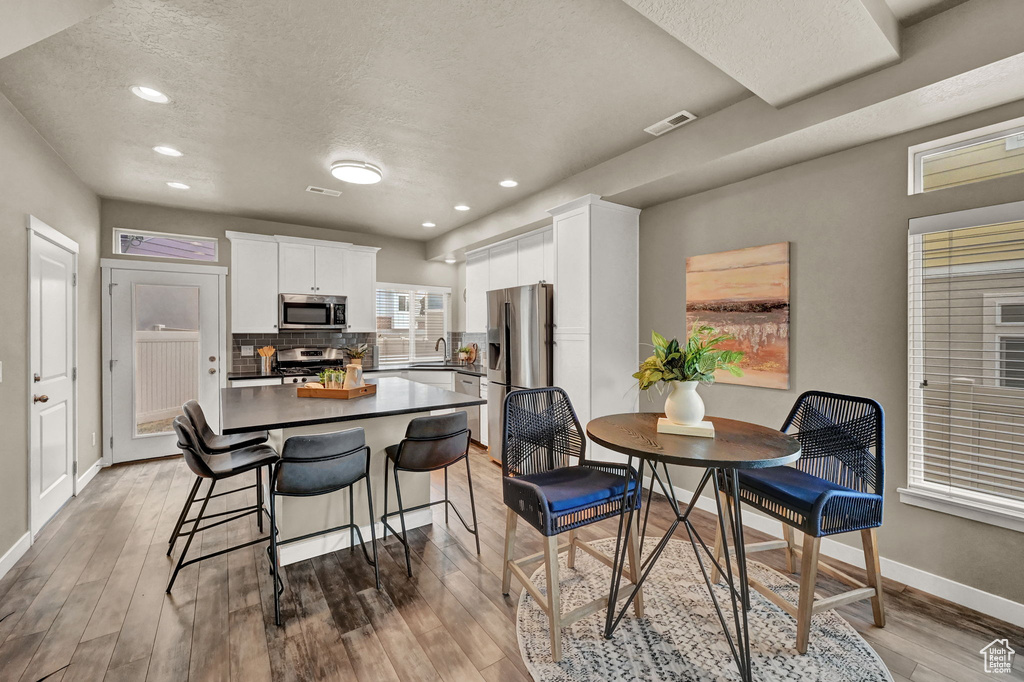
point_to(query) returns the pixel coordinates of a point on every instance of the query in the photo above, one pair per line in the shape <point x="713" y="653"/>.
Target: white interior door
<point x="52" y="441"/>
<point x="165" y="349"/>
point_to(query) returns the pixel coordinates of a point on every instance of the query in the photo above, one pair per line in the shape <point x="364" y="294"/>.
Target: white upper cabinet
<point x="296" y="268"/>
<point x="263" y="266"/>
<point x="531" y="259"/>
<point x="525" y="260"/>
<point x="504" y="265"/>
<point x="330" y="271"/>
<point x="572" y="263"/>
<point x="253" y="286"/>
<point x="361" y="289"/>
<point x="478" y="283"/>
<point x="549" y="255"/>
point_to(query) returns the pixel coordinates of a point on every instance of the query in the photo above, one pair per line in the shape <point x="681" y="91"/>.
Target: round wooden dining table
<point x="736" y="445"/>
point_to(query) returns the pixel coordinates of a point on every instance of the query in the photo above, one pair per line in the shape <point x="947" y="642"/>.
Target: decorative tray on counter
<point x="338" y="393"/>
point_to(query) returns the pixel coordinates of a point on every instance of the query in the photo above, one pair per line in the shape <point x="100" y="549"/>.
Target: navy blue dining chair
<point x="541" y="434"/>
<point x="835" y="487"/>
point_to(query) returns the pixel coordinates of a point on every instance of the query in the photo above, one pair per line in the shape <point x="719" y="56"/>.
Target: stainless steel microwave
<point x="301" y="311"/>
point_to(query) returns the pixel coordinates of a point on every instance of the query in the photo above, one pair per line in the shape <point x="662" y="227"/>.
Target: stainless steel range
<point x="299" y="365"/>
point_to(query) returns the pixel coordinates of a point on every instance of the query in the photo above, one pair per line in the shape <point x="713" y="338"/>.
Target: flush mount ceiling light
<point x="178" y="185"/>
<point x="429" y="224"/>
<point x="356" y="172"/>
<point x="149" y="94"/>
<point x="167" y="151"/>
<point x="462" y="207"/>
<point x="449" y="261"/>
<point x="508" y="183"/>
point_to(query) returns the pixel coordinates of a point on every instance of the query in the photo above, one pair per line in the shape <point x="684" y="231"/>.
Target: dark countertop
<point x="472" y="370"/>
<point x="276" y="407"/>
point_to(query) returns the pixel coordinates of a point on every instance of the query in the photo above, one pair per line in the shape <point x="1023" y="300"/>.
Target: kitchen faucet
<point x="445" y="342"/>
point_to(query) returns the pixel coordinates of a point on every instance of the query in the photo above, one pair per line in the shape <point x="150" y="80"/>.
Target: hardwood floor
<point x="87" y="601"/>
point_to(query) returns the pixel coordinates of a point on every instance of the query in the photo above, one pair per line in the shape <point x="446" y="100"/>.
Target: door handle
<point x="212" y="370"/>
<point x="40" y="398"/>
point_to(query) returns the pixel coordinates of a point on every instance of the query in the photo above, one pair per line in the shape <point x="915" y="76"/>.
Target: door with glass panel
<point x="165" y="350"/>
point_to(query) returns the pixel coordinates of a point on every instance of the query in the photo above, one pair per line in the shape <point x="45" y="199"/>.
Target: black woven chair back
<point x="841" y="439"/>
<point x="188" y="442"/>
<point x="540" y="431"/>
<point x="197" y="418"/>
<point x="321" y="463"/>
<point x="434" y="442"/>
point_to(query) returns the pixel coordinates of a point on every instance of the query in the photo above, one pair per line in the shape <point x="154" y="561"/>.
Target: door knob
<point x="212" y="370"/>
<point x="40" y="398"/>
<point x="36" y="378"/>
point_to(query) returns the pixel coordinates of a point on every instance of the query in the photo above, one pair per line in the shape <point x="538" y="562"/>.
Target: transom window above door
<point x="165" y="245"/>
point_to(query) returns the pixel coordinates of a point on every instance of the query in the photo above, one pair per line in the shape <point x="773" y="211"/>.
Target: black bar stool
<point x="216" y="468"/>
<point x="430" y="443"/>
<point x="211" y="443"/>
<point x="318" y="465"/>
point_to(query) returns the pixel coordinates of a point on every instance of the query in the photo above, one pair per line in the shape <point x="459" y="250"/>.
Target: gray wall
<point x="845" y="216"/>
<point x="34" y="180"/>
<point x="399" y="260"/>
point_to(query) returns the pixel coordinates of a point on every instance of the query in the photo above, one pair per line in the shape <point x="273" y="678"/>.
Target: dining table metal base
<point x="732" y="565"/>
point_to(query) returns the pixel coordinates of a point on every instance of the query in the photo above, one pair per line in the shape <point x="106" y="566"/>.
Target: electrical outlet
<point x="94" y="439"/>
<point x="247" y="351"/>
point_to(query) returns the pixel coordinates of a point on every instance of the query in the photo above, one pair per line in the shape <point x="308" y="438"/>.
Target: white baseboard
<point x="89" y="474"/>
<point x="16" y="551"/>
<point x="331" y="542"/>
<point x="958" y="593"/>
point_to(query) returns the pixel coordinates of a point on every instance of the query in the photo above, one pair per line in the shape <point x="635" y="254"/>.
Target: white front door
<point x="165" y="349"/>
<point x="52" y="310"/>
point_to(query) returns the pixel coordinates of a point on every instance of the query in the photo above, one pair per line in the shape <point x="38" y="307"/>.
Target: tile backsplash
<point x="295" y="339"/>
<point x="302" y="339"/>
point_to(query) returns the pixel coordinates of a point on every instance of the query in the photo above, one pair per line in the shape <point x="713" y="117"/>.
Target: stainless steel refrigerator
<point x="519" y="348"/>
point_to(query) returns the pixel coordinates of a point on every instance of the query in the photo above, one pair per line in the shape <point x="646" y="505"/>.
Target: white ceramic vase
<point x="684" y="404"/>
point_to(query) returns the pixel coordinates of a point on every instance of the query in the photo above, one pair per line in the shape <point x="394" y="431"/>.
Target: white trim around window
<point x="917" y="153"/>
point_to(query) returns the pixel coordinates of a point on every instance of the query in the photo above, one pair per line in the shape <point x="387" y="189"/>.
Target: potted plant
<point x="464" y="353"/>
<point x="357" y="353"/>
<point x="683" y="368"/>
<point x="332" y="378"/>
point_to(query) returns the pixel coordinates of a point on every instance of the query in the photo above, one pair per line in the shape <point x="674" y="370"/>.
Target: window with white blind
<point x="410" y="320"/>
<point x="966" y="364"/>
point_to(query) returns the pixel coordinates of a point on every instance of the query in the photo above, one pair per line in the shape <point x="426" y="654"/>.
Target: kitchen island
<point x="383" y="417"/>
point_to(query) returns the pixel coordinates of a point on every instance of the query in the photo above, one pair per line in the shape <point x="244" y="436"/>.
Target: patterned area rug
<point x="680" y="636"/>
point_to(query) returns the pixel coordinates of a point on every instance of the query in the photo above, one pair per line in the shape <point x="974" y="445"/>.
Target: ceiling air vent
<point x="670" y="123"/>
<point x="324" y="191"/>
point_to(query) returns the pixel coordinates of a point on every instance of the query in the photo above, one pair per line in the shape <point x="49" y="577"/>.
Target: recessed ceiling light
<point x="462" y="207"/>
<point x="429" y="224"/>
<point x="449" y="261"/>
<point x="167" y="151"/>
<point x="356" y="172"/>
<point x="149" y="94"/>
<point x="178" y="185"/>
<point x="508" y="183"/>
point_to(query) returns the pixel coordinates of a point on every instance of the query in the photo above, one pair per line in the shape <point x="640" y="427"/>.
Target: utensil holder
<point x="266" y="365"/>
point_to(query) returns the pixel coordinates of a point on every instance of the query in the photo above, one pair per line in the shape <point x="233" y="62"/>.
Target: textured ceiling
<point x="783" y="51"/>
<point x="447" y="96"/>
<point x="913" y="11"/>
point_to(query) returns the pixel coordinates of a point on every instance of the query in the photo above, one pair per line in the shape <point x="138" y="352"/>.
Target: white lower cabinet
<point x="572" y="371"/>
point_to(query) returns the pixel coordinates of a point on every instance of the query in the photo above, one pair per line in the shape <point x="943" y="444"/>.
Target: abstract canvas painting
<point x="745" y="293"/>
